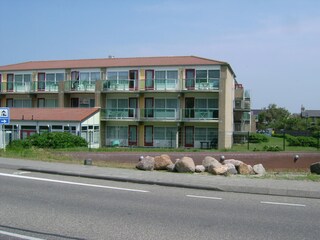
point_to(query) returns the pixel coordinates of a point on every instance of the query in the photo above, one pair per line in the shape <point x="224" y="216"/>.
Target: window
<point x="47" y="103"/>
<point x="149" y="79"/>
<point x="117" y="133"/>
<point x="172" y="74"/>
<point x="206" y="134"/>
<point x="22" y="103"/>
<point x="120" y="75"/>
<point x="117" y="103"/>
<point x="84" y="76"/>
<point x="165" y="133"/>
<point x="201" y="75"/>
<point x="214" y="74"/>
<point x="95" y="76"/>
<point x="163" y="79"/>
<point x="148" y="135"/>
<point x="59" y="77"/>
<point x="50" y="77"/>
<point x="160" y="75"/>
<point x="206" y="103"/>
<point x="112" y="75"/>
<point x="166" y="74"/>
<point x="9" y="102"/>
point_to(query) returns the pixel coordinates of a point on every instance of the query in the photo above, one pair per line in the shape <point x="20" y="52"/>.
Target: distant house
<point x="312" y="116"/>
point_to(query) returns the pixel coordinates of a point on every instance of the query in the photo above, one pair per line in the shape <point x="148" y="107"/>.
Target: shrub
<point x="302" y="141"/>
<point x="50" y="140"/>
<point x="272" y="148"/>
<point x="258" y="138"/>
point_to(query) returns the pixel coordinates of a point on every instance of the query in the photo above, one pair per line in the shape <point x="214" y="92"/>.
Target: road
<point x="39" y="206"/>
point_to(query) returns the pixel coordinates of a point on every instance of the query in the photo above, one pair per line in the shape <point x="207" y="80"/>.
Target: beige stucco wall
<point x="226" y="98"/>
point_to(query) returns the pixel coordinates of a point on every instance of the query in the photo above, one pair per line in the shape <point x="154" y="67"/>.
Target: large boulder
<point x="231" y="169"/>
<point x="210" y="161"/>
<point x="223" y="169"/>
<point x="259" y="169"/>
<point x="244" y="169"/>
<point x="233" y="161"/>
<point x="146" y="163"/>
<point x="171" y="168"/>
<point x="315" y="168"/>
<point x="185" y="164"/>
<point x="200" y="168"/>
<point x="161" y="162"/>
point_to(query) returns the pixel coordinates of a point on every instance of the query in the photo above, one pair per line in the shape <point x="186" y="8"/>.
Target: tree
<point x="273" y="117"/>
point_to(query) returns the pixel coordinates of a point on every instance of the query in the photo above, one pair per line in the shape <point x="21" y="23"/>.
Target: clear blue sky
<point x="273" y="46"/>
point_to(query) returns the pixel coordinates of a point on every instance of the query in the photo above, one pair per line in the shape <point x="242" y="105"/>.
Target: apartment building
<point x="174" y="101"/>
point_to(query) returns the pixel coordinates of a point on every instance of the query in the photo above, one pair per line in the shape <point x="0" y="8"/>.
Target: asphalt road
<point x="38" y="206"/>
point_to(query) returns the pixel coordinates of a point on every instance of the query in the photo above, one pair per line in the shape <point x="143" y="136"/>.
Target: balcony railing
<point x="162" y="85"/>
<point x="159" y="114"/>
<point x="151" y="114"/>
<point x="119" y="85"/>
<point x="79" y="86"/>
<point x="16" y="87"/>
<point x="46" y="86"/>
<point x="119" y="113"/>
<point x="242" y="104"/>
<point x="200" y="113"/>
<point x="201" y="84"/>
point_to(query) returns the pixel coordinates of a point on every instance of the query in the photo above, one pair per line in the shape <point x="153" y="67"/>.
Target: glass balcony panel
<point x="201" y="113"/>
<point x="119" y="85"/>
<point x="119" y="113"/>
<point x="202" y="84"/>
<point x="159" y="113"/>
<point x="165" y="84"/>
<point x="80" y="85"/>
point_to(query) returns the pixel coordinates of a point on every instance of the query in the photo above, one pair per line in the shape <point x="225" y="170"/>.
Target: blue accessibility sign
<point x="4" y="115"/>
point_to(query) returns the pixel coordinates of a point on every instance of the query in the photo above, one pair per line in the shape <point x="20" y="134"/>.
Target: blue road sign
<point x="4" y="116"/>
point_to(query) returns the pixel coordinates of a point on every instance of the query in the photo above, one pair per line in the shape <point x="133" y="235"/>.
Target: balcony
<point x="47" y="86"/>
<point x="119" y="113"/>
<point x="119" y="85"/>
<point x="79" y="86"/>
<point x="242" y="127"/>
<point x="162" y="85"/>
<point x="200" y="114"/>
<point x="159" y="114"/>
<point x="244" y="105"/>
<point x="197" y="84"/>
<point x="16" y="87"/>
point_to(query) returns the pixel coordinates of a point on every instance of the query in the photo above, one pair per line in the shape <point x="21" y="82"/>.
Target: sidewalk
<point x="238" y="184"/>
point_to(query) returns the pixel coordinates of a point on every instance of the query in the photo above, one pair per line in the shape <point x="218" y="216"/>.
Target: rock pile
<point x="209" y="164"/>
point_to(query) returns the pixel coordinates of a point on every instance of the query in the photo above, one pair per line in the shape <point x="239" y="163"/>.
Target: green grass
<point x="58" y="155"/>
<point x="273" y="142"/>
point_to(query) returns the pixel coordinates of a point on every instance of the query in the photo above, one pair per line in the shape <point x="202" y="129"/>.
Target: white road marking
<point x="285" y="204"/>
<point x="19" y="236"/>
<point x="204" y="197"/>
<point x="72" y="183"/>
<point x="20" y="173"/>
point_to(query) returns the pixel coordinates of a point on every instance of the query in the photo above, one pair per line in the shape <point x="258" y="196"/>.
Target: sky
<point x="273" y="46"/>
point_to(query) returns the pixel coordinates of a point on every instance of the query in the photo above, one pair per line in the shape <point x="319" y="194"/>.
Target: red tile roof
<point x="52" y="114"/>
<point x="113" y="62"/>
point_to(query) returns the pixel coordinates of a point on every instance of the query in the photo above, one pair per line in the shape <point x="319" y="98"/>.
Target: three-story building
<point x="149" y="101"/>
